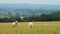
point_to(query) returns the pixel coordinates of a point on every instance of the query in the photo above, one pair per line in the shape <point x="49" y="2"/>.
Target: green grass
<point x="38" y="28"/>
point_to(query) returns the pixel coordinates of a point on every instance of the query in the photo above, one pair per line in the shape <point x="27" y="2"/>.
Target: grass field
<point x="38" y="28"/>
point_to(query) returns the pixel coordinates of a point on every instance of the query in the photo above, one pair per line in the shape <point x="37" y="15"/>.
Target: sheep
<point x="14" y="24"/>
<point x="30" y="24"/>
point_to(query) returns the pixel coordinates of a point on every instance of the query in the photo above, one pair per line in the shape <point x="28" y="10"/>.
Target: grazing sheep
<point x="14" y="24"/>
<point x="30" y="24"/>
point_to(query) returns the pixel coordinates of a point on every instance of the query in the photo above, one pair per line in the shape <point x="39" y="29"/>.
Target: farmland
<point x="38" y="28"/>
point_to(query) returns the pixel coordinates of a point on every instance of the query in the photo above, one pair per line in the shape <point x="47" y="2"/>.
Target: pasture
<point x="38" y="28"/>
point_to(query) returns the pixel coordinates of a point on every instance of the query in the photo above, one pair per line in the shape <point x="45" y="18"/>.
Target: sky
<point x="56" y="2"/>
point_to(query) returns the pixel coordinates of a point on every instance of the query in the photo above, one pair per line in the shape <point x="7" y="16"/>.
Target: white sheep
<point x="14" y="24"/>
<point x="30" y="24"/>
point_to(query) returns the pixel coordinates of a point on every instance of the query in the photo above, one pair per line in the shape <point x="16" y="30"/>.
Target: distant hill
<point x="30" y="6"/>
<point x="26" y="9"/>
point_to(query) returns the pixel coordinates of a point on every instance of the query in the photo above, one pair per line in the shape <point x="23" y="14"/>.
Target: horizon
<point x="30" y="6"/>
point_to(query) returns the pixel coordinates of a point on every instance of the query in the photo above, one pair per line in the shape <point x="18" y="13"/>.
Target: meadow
<point x="38" y="28"/>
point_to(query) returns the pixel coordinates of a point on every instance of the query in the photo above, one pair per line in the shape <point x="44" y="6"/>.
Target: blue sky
<point x="56" y="2"/>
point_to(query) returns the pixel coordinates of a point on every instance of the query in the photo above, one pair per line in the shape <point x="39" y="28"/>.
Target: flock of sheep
<point x="14" y="24"/>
